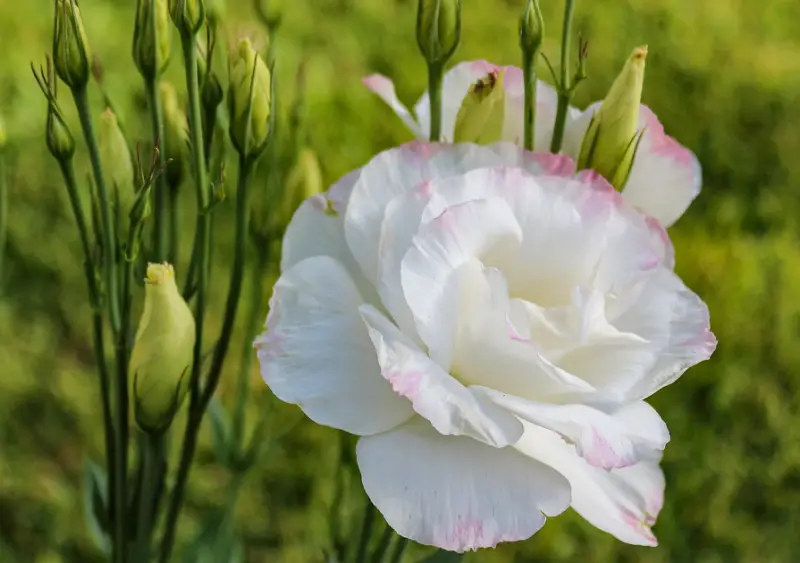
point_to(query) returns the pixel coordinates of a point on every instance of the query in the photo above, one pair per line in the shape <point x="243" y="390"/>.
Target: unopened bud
<point x="188" y="15"/>
<point x="162" y="354"/>
<point x="71" y="55"/>
<point x="438" y="29"/>
<point x="60" y="141"/>
<point x="215" y="11"/>
<point x="249" y="99"/>
<point x="268" y="13"/>
<point x="482" y="114"/>
<point x="175" y="134"/>
<point x="115" y="155"/>
<point x="531" y="28"/>
<point x="152" y="38"/>
<point x="211" y="93"/>
<point x="613" y="133"/>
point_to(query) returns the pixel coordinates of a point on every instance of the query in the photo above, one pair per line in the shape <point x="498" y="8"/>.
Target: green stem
<point x="110" y="249"/>
<point x="161" y="232"/>
<point x="3" y="214"/>
<point x="255" y="305"/>
<point x="203" y="256"/>
<point x="366" y="532"/>
<point x="435" y="78"/>
<point x="174" y="223"/>
<point x="383" y="545"/>
<point x="565" y="87"/>
<point x="236" y="281"/>
<point x="153" y="455"/>
<point x="106" y="216"/>
<point x="529" y="76"/>
<point x="68" y="173"/>
<point x="399" y="550"/>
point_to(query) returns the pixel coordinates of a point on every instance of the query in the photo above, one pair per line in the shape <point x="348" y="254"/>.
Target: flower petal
<point x="623" y="502"/>
<point x="384" y="88"/>
<point x="608" y="441"/>
<point x="666" y="176"/>
<point x="456" y="493"/>
<point x="316" y="352"/>
<point x="429" y="270"/>
<point x="449" y="406"/>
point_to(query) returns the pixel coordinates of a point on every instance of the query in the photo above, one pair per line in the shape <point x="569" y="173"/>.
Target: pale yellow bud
<point x="482" y="114"/>
<point x="249" y="99"/>
<point x="613" y="129"/>
<point x="162" y="354"/>
<point x="115" y="155"/>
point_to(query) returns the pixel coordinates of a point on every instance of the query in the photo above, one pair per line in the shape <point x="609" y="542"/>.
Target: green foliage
<point x="724" y="78"/>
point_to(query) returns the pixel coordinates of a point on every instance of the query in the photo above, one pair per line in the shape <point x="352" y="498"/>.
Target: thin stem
<point x="399" y="550"/>
<point x="529" y="76"/>
<point x="174" y="223"/>
<point x="106" y="216"/>
<point x="3" y="214"/>
<point x="383" y="545"/>
<point x="161" y="232"/>
<point x="366" y="532"/>
<point x="565" y="87"/>
<point x="243" y="384"/>
<point x="435" y="78"/>
<point x="203" y="257"/>
<point x="153" y="462"/>
<point x="68" y="173"/>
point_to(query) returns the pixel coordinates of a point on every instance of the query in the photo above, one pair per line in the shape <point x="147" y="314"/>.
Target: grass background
<point x="724" y="77"/>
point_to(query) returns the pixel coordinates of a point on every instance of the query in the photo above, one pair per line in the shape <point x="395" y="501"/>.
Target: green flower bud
<point x="215" y="11"/>
<point x="531" y="28"/>
<point x="482" y="114"/>
<point x="152" y="38"/>
<point x="269" y="15"/>
<point x="613" y="133"/>
<point x="115" y="155"/>
<point x="71" y="55"/>
<point x="249" y="99"/>
<point x="175" y="134"/>
<point x="211" y="93"/>
<point x="162" y="353"/>
<point x="438" y="29"/>
<point x="188" y="15"/>
<point x="60" y="141"/>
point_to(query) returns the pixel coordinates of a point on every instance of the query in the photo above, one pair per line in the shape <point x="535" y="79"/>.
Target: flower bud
<point x="60" y="141"/>
<point x="175" y="134"/>
<point x="115" y="155"/>
<point x="531" y="28"/>
<point x="188" y="15"/>
<point x="71" y="55"/>
<point x="211" y="93"/>
<point x="152" y="38"/>
<point x="162" y="353"/>
<point x="612" y="134"/>
<point x="249" y="100"/>
<point x="215" y="11"/>
<point x="438" y="29"/>
<point x="269" y="15"/>
<point x="482" y="114"/>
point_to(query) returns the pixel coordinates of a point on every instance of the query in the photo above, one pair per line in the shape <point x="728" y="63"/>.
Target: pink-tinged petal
<point x="666" y="176"/>
<point x="384" y="88"/>
<point x="604" y="440"/>
<point x="316" y="352"/>
<point x="392" y="174"/>
<point x="449" y="406"/>
<point x="622" y="502"/>
<point x="429" y="272"/>
<point x="676" y="322"/>
<point x="455" y="87"/>
<point x="546" y="109"/>
<point x="456" y="493"/>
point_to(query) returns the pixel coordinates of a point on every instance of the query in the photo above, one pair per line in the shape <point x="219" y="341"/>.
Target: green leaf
<point x="95" y="505"/>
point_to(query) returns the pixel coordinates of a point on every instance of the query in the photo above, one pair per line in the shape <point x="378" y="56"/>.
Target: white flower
<point x="489" y="324"/>
<point x="665" y="178"/>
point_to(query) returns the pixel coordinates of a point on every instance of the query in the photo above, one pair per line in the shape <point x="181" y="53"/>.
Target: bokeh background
<point x="723" y="76"/>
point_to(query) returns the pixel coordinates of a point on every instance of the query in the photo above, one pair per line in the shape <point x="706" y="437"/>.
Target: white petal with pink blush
<point x="490" y="323"/>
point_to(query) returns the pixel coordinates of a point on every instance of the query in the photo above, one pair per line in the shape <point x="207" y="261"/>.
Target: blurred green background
<point x="723" y="76"/>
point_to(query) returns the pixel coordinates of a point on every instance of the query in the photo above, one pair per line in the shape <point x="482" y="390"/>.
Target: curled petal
<point x="384" y="88"/>
<point x="456" y="493"/>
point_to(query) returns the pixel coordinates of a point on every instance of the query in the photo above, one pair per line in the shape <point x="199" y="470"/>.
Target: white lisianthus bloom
<point x="665" y="177"/>
<point x="490" y="324"/>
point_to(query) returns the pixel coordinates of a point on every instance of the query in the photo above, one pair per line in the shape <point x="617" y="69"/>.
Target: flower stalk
<point x="565" y="86"/>
<point x="531" y="34"/>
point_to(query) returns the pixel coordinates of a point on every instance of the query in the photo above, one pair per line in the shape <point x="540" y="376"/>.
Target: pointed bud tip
<point x="158" y="274"/>
<point x="640" y="53"/>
